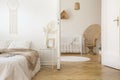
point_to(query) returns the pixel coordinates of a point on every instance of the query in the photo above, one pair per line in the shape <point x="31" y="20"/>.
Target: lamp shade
<point x="64" y="15"/>
<point x="77" y="6"/>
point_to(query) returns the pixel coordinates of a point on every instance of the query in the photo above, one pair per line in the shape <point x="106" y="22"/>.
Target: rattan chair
<point x="90" y="37"/>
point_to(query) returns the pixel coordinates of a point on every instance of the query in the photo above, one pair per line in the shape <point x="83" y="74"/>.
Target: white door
<point x="110" y="33"/>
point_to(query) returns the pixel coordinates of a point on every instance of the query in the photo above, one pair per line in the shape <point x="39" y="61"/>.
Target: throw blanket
<point x="31" y="55"/>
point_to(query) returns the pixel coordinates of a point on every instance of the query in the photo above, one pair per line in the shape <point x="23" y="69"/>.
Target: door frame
<point x="59" y="35"/>
<point x="59" y="32"/>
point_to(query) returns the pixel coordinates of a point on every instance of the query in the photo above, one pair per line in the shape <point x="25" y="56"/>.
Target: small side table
<point x="48" y="55"/>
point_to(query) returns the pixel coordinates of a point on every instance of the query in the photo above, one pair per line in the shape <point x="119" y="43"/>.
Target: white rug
<point x="74" y="59"/>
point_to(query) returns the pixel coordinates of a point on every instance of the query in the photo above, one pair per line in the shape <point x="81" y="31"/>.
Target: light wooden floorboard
<point x="90" y="70"/>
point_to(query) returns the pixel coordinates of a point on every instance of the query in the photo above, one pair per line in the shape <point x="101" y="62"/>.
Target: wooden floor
<point x="90" y="70"/>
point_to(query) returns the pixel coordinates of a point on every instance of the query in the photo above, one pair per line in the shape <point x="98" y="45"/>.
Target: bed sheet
<point x="15" y="68"/>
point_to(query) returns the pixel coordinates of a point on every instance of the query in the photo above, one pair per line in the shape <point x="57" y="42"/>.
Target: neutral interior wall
<point x="79" y="20"/>
<point x="33" y="15"/>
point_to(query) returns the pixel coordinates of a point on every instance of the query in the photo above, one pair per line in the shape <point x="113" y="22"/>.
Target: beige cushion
<point x="4" y="44"/>
<point x="20" y="44"/>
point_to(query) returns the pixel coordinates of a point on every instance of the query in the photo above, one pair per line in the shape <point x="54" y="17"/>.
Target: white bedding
<point x="16" y="68"/>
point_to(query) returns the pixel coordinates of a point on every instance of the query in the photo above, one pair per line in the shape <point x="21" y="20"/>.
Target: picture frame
<point x="51" y="43"/>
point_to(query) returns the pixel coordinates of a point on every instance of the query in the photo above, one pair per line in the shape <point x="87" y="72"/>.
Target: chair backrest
<point x="91" y="34"/>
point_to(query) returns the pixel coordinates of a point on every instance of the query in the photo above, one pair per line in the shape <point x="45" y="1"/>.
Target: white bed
<point x="71" y="45"/>
<point x="16" y="67"/>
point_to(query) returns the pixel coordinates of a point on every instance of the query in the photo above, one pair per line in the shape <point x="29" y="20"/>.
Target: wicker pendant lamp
<point x="64" y="15"/>
<point x="77" y="6"/>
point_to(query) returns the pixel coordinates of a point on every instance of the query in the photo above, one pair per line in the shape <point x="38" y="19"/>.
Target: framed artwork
<point x="51" y="43"/>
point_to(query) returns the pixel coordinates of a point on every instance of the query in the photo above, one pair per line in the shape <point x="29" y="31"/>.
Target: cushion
<point x="4" y="44"/>
<point x="20" y="45"/>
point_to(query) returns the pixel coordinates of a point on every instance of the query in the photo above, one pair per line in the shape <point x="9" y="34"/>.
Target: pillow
<point x="4" y="44"/>
<point x="20" y="45"/>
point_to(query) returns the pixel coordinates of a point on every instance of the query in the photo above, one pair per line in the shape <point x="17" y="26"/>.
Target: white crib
<point x="71" y="45"/>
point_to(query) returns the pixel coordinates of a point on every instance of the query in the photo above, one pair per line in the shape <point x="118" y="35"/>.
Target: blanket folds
<point x="30" y="55"/>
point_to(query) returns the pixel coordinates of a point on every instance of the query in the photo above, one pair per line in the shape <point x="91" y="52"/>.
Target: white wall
<point x="79" y="20"/>
<point x="33" y="15"/>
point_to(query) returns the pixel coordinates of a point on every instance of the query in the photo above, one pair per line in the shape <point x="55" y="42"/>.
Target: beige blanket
<point x="31" y="55"/>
